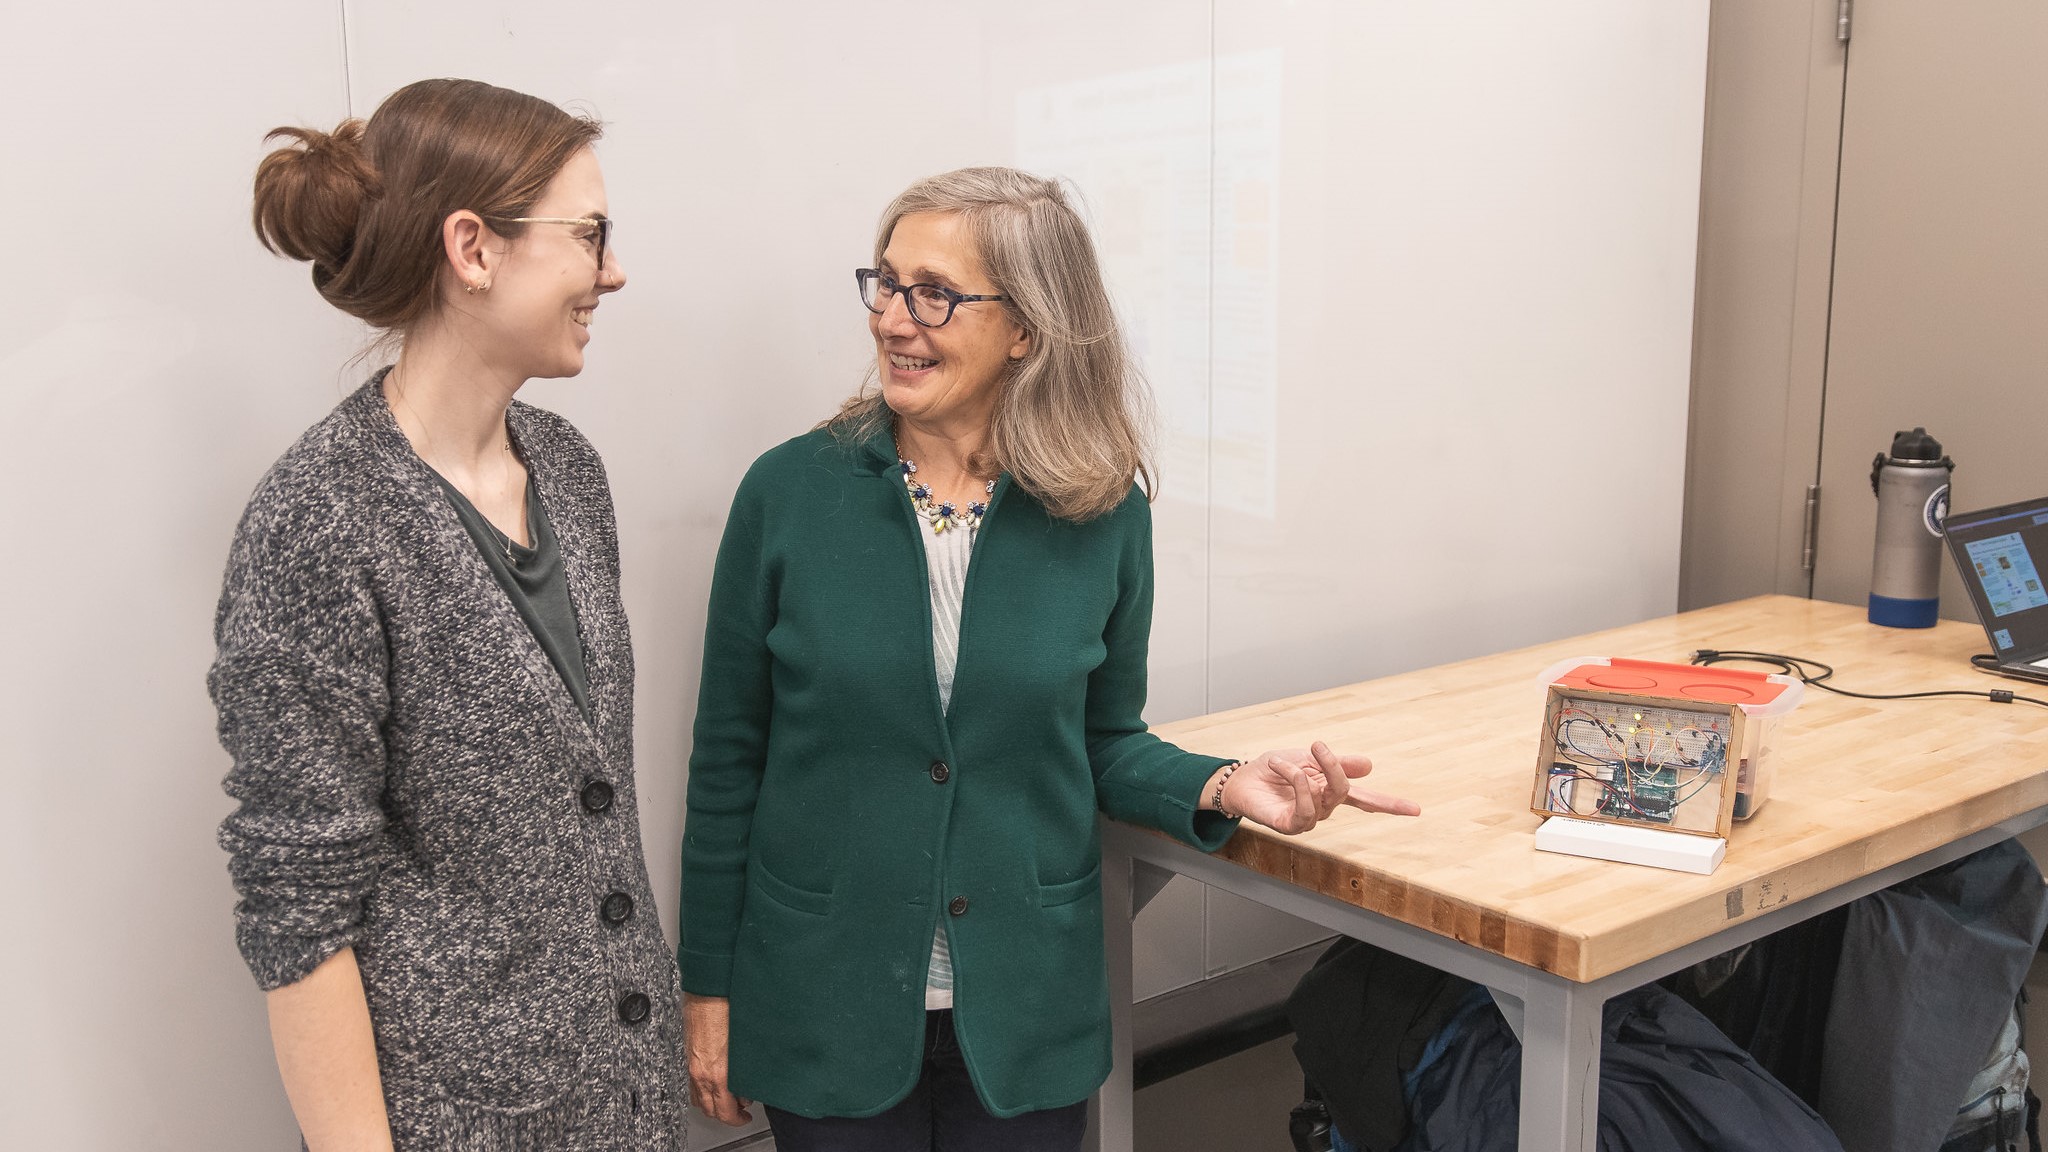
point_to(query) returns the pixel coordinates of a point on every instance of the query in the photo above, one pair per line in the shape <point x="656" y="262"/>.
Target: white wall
<point x="151" y="359"/>
<point x="1413" y="282"/>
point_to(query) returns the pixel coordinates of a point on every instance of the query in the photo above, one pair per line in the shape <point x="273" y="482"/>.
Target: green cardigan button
<point x="958" y="907"/>
<point x="940" y="772"/>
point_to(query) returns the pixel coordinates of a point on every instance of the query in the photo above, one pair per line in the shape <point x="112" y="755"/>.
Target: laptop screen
<point x="2003" y="555"/>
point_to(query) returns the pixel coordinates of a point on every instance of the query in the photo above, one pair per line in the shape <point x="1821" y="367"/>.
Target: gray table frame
<point x="1559" y="1019"/>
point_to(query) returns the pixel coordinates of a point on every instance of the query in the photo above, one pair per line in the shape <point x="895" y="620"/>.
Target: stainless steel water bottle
<point x="1912" y="498"/>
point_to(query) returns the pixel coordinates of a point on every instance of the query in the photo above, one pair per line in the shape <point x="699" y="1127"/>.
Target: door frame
<point x="1770" y="173"/>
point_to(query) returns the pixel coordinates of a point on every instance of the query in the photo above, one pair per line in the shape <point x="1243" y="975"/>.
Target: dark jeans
<point x="941" y="1114"/>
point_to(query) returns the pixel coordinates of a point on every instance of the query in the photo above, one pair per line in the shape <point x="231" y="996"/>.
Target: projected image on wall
<point x="1186" y="213"/>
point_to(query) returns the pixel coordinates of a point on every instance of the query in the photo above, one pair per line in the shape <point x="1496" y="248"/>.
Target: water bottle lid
<point x="1915" y="445"/>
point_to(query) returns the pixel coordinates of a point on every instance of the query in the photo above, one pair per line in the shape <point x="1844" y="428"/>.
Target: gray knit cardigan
<point x="415" y="780"/>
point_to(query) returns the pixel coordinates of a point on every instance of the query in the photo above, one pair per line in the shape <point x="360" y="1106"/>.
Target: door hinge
<point x="1842" y="21"/>
<point x="1810" y="533"/>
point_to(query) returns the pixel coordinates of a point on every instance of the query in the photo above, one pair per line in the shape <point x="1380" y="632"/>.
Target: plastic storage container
<point x="1764" y="699"/>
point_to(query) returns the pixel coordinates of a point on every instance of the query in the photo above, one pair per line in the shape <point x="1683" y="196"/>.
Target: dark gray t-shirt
<point x="534" y="580"/>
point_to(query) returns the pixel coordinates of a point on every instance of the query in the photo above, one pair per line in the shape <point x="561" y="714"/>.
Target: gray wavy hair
<point x="1072" y="416"/>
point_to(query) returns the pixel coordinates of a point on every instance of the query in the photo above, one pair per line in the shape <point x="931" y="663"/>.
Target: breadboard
<point x="1638" y="760"/>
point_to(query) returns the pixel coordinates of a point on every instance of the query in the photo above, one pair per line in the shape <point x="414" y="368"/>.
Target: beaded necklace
<point x="944" y="514"/>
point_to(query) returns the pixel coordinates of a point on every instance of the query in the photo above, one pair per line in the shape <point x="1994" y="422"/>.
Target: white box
<point x="1631" y="845"/>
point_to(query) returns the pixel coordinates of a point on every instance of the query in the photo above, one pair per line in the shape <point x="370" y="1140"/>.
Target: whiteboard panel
<point x="153" y="361"/>
<point x="1470" y="434"/>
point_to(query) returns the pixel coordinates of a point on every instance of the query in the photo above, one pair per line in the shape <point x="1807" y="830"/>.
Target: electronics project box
<point x="1670" y="747"/>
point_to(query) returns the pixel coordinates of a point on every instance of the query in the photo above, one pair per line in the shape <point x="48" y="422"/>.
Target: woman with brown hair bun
<point x="423" y="670"/>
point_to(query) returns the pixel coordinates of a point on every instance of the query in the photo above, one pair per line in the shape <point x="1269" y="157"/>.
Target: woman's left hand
<point x="1291" y="790"/>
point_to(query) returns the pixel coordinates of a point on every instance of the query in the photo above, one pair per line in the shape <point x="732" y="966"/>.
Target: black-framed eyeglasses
<point x="602" y="225"/>
<point x="930" y="304"/>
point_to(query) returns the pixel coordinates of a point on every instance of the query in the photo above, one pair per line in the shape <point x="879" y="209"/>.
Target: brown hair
<point x="365" y="202"/>
<point x="1071" y="419"/>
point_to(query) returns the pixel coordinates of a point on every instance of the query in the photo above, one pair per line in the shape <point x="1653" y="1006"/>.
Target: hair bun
<point x="310" y="193"/>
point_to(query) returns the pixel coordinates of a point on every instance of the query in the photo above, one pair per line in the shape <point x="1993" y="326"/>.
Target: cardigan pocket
<point x="471" y="1126"/>
<point x="483" y="999"/>
<point x="1066" y="892"/>
<point x="786" y="894"/>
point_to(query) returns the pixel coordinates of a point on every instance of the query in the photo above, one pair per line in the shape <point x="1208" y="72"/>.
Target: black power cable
<point x="1797" y="667"/>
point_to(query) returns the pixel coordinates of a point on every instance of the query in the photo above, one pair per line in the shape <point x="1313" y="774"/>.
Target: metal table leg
<point x="1112" y="1119"/>
<point x="1560" y="1065"/>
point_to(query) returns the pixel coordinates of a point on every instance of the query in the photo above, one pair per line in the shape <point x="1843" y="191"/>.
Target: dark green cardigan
<point x="824" y="840"/>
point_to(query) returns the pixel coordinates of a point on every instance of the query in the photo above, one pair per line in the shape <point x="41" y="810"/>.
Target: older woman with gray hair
<point x="924" y="672"/>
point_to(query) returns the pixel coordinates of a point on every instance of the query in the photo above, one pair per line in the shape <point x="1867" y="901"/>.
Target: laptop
<point x="2003" y="555"/>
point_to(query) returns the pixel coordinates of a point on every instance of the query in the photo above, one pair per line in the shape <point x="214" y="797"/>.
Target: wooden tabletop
<point x="1860" y="785"/>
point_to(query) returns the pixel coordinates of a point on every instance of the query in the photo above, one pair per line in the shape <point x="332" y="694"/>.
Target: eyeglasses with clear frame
<point x="603" y="224"/>
<point x="931" y="305"/>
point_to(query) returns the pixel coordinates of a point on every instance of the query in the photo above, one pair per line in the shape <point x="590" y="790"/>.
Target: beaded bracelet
<point x="1216" y="801"/>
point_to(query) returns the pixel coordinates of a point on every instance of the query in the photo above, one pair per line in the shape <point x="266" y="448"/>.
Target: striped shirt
<point x="946" y="555"/>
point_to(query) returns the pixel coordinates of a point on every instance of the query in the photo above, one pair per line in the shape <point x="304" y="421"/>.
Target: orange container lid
<point x="1759" y="693"/>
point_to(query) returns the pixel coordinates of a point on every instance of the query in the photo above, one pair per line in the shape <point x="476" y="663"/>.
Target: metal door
<point x="1939" y="312"/>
